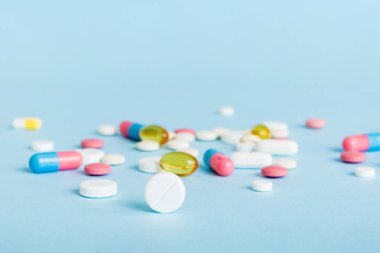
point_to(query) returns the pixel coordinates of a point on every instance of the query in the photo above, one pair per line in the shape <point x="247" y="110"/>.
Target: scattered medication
<point x="315" y="123"/>
<point x="91" y="155"/>
<point x="206" y="136"/>
<point x="352" y="157"/>
<point x="42" y="146"/>
<point x="113" y="159"/>
<point x="130" y="130"/>
<point x="150" y="164"/>
<point x="92" y="143"/>
<point x="148" y="146"/>
<point x="27" y="123"/>
<point x="243" y="160"/>
<point x="262" y="131"/>
<point x="184" y="136"/>
<point x="165" y="192"/>
<point x="179" y="163"/>
<point x="245" y="147"/>
<point x="55" y="161"/>
<point x="177" y="144"/>
<point x="274" y="171"/>
<point x="363" y="142"/>
<point x="154" y="133"/>
<point x="260" y="185"/>
<point x="97" y="169"/>
<point x="98" y="188"/>
<point x="285" y="162"/>
<point x="365" y="172"/>
<point x="218" y="162"/>
<point x="192" y="151"/>
<point x="107" y="130"/>
<point x="226" y="111"/>
<point x="278" y="147"/>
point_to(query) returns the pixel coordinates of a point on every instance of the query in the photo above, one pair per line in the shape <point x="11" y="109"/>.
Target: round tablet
<point x="98" y="188"/>
<point x="42" y="146"/>
<point x="97" y="169"/>
<point x="366" y="172"/>
<point x="192" y="151"/>
<point x="92" y="143"/>
<point x="250" y="138"/>
<point x="315" y="123"/>
<point x="206" y="136"/>
<point x="177" y="144"/>
<point x="107" y="130"/>
<point x="113" y="159"/>
<point x="288" y="163"/>
<point x="245" y="146"/>
<point x="184" y="130"/>
<point x="165" y="192"/>
<point x="184" y="136"/>
<point x="226" y="111"/>
<point x="91" y="155"/>
<point x="352" y="157"/>
<point x="150" y="164"/>
<point x="231" y="137"/>
<point x="147" y="146"/>
<point x="274" y="171"/>
<point x="262" y="185"/>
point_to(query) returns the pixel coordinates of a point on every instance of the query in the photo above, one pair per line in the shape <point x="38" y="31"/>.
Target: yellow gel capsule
<point x="180" y="163"/>
<point x="262" y="131"/>
<point x="154" y="133"/>
<point x="27" y="123"/>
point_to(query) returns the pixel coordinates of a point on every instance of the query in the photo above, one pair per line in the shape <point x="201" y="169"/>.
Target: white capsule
<point x="365" y="172"/>
<point x="42" y="146"/>
<point x="245" y="147"/>
<point x="91" y="155"/>
<point x="183" y="136"/>
<point x="220" y="130"/>
<point x="275" y="125"/>
<point x="150" y="164"/>
<point x="177" y="144"/>
<point x="250" y="138"/>
<point x="107" y="130"/>
<point x="251" y="160"/>
<point x="226" y="111"/>
<point x="285" y="162"/>
<point x="192" y="151"/>
<point x="206" y="136"/>
<point x="113" y="159"/>
<point x="147" y="145"/>
<point x="30" y="123"/>
<point x="231" y="137"/>
<point x="278" y="147"/>
<point x="98" y="188"/>
<point x="262" y="185"/>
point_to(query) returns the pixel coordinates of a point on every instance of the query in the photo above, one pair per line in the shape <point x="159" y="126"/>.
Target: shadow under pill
<point x="140" y="206"/>
<point x="336" y="149"/>
<point x="26" y="169"/>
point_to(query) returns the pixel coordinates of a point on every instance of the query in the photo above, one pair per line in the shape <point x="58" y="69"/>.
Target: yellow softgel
<point x="154" y="133"/>
<point x="33" y="123"/>
<point x="180" y="163"/>
<point x="262" y="131"/>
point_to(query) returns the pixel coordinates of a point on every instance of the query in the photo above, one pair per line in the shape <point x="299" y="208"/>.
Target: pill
<point x="363" y="142"/>
<point x="206" y="135"/>
<point x="150" y="164"/>
<point x="366" y="172"/>
<point x="130" y="130"/>
<point x="98" y="188"/>
<point x="107" y="130"/>
<point x="177" y="144"/>
<point x="278" y="147"/>
<point x="192" y="151"/>
<point x="274" y="171"/>
<point x="262" y="131"/>
<point x="113" y="159"/>
<point x="275" y="125"/>
<point x="171" y="135"/>
<point x="231" y="137"/>
<point x="285" y="162"/>
<point x="226" y="111"/>
<point x="184" y="130"/>
<point x="91" y="155"/>
<point x="179" y="163"/>
<point x="260" y="185"/>
<point x="250" y="138"/>
<point x="154" y="133"/>
<point x="243" y="160"/>
<point x="27" y="123"/>
<point x="55" y="161"/>
<point x="280" y="134"/>
<point x="97" y="169"/>
<point x="315" y="123"/>
<point x="218" y="162"/>
<point x="165" y="192"/>
<point x="245" y="147"/>
<point x="147" y="145"/>
<point x="220" y="130"/>
<point x="92" y="143"/>
<point x="42" y="146"/>
<point x="352" y="157"/>
<point x="184" y="136"/>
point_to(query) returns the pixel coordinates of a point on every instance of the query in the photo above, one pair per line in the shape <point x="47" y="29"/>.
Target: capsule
<point x="218" y="162"/>
<point x="130" y="130"/>
<point x="262" y="131"/>
<point x="27" y="123"/>
<point x="363" y="142"/>
<point x="55" y="161"/>
<point x="278" y="147"/>
<point x="154" y="133"/>
<point x="180" y="163"/>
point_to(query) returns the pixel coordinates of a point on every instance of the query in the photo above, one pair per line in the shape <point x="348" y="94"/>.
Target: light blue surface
<point x="79" y="64"/>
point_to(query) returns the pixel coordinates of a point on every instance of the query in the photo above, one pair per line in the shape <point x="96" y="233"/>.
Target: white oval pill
<point x="275" y="125"/>
<point x="177" y="144"/>
<point x="231" y="137"/>
<point x="206" y="136"/>
<point x="192" y="151"/>
<point x="366" y="172"/>
<point x="165" y="192"/>
<point x="150" y="164"/>
<point x="113" y="159"/>
<point x="184" y="136"/>
<point x="98" y="188"/>
<point x="285" y="162"/>
<point x="107" y="130"/>
<point x="278" y="147"/>
<point x="226" y="111"/>
<point x="148" y="146"/>
<point x="250" y="138"/>
<point x="245" y="147"/>
<point x="91" y="155"/>
<point x="251" y="160"/>
<point x="280" y="134"/>
<point x="262" y="185"/>
<point x="42" y="146"/>
<point x="220" y="130"/>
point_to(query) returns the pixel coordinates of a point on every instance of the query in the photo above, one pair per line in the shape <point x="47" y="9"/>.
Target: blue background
<point x="79" y="64"/>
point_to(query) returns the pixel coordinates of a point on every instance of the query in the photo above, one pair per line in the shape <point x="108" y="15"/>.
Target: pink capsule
<point x="356" y="143"/>
<point x="221" y="165"/>
<point x="352" y="157"/>
<point x="274" y="171"/>
<point x="92" y="143"/>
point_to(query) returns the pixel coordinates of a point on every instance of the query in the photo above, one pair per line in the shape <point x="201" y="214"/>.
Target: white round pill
<point x="245" y="147"/>
<point x="262" y="185"/>
<point x="107" y="130"/>
<point x="366" y="172"/>
<point x="285" y="162"/>
<point x="148" y="146"/>
<point x="192" y="151"/>
<point x="113" y="159"/>
<point x="42" y="146"/>
<point x="91" y="155"/>
<point x="177" y="144"/>
<point x="231" y="137"/>
<point x="165" y="192"/>
<point x="220" y="130"/>
<point x="183" y="136"/>
<point x="250" y="138"/>
<point x="206" y="136"/>
<point x="150" y="164"/>
<point x="98" y="188"/>
<point x="226" y="111"/>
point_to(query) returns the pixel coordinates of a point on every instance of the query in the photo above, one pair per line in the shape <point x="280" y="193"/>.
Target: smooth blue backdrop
<point x="79" y="64"/>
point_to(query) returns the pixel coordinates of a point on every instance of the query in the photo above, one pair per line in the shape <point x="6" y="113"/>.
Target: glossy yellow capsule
<point x="180" y="163"/>
<point x="262" y="131"/>
<point x="154" y="133"/>
<point x="27" y="123"/>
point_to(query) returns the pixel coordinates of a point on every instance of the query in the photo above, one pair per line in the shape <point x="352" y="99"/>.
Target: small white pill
<point x="206" y="136"/>
<point x="42" y="146"/>
<point x="285" y="162"/>
<point x="226" y="111"/>
<point x="150" y="164"/>
<point x="245" y="147"/>
<point x="192" y="151"/>
<point x="177" y="144"/>
<point x="220" y="130"/>
<point x="250" y="138"/>
<point x="262" y="185"/>
<point x="188" y="137"/>
<point x="91" y="155"/>
<point x="148" y="146"/>
<point x="165" y="192"/>
<point x="231" y="137"/>
<point x="251" y="160"/>
<point x="366" y="172"/>
<point x="275" y="125"/>
<point x="278" y="147"/>
<point x="98" y="188"/>
<point x="280" y="134"/>
<point x="113" y="159"/>
<point x="107" y="130"/>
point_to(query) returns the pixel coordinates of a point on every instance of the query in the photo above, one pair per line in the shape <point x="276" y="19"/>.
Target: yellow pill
<point x="180" y="163"/>
<point x="154" y="133"/>
<point x="262" y="131"/>
<point x="27" y="123"/>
